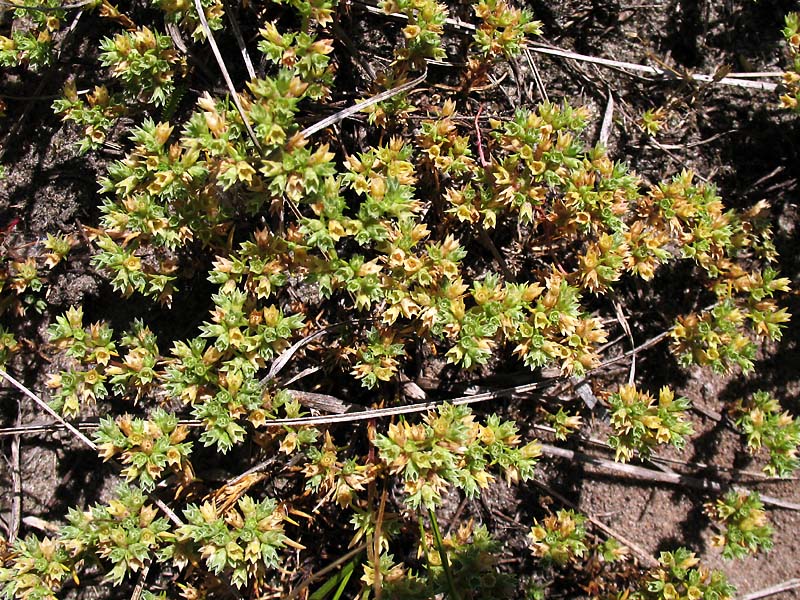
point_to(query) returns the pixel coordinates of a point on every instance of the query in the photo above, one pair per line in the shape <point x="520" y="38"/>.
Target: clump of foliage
<point x="241" y="543"/>
<point x="144" y="61"/>
<point x="560" y="537"/>
<point x="36" y="569"/>
<point x="8" y="346"/>
<point x="680" y="575"/>
<point x="766" y="425"/>
<point x="340" y="263"/>
<point x="26" y="267"/>
<point x="32" y="45"/>
<point x="450" y="448"/>
<point x="126" y="533"/>
<point x="640" y="422"/>
<point x="471" y="555"/>
<point x="146" y="447"/>
<point x="747" y="530"/>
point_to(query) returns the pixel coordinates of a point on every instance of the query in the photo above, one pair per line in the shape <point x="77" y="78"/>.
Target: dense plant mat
<point x="359" y="302"/>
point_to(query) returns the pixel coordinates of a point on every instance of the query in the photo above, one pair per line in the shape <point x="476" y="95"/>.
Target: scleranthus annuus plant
<point x="791" y="78"/>
<point x="766" y="425"/>
<point x="241" y="543"/>
<point x="440" y="238"/>
<point x="560" y="537"/>
<point x="145" y="446"/>
<point x="680" y="574"/>
<point x="640" y="422"/>
<point x="450" y="449"/>
<point x="746" y="526"/>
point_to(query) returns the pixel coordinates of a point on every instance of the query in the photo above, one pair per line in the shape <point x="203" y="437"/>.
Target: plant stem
<point x="437" y="536"/>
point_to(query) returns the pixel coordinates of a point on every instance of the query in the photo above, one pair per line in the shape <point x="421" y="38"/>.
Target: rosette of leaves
<point x="92" y="345"/>
<point x="96" y="114"/>
<point x="335" y="478"/>
<point x="31" y="44"/>
<point x="556" y="329"/>
<point x="136" y="373"/>
<point x="145" y="446"/>
<point x="746" y="527"/>
<point x="242" y="543"/>
<point x="35" y="569"/>
<point x="126" y="532"/>
<point x="765" y="425"/>
<point x="21" y="284"/>
<point x="563" y="422"/>
<point x="450" y="448"/>
<point x="503" y="28"/>
<point x="680" y="575"/>
<point x="377" y="357"/>
<point x="144" y="60"/>
<point x="560" y="537"/>
<point x="715" y="338"/>
<point x="640" y="423"/>
<point x="306" y="55"/>
<point x="423" y="34"/>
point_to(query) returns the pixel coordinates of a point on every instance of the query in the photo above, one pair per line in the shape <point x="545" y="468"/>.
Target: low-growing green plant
<point x="242" y="543"/>
<point x="681" y="576"/>
<point x="145" y="62"/>
<point x="348" y="262"/>
<point x="95" y="115"/>
<point x="640" y="422"/>
<point x="563" y="422"/>
<point x="765" y="425"/>
<point x="127" y="533"/>
<point x="146" y="447"/>
<point x="423" y="34"/>
<point x="31" y="46"/>
<point x="9" y="346"/>
<point x="450" y="449"/>
<point x="560" y="537"/>
<point x="746" y="528"/>
<point x="184" y="14"/>
<point x="471" y="553"/>
<point x="36" y="569"/>
<point x="503" y="28"/>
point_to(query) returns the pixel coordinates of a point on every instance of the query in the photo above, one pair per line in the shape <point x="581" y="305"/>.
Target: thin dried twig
<point x="623" y="321"/>
<point x="140" y="581"/>
<point x="608" y="120"/>
<point x="16" y="487"/>
<point x="734" y="474"/>
<point x="738" y="82"/>
<point x="785" y="586"/>
<point x="536" y="76"/>
<point x="602" y="465"/>
<point x="44" y="406"/>
<point x="228" y="81"/>
<point x="351" y="110"/>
